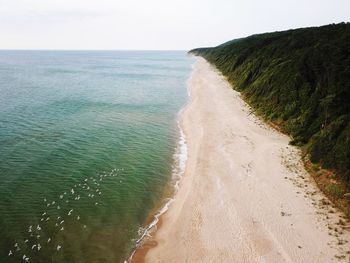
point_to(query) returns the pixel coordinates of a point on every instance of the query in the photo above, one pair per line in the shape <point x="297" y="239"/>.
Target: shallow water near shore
<point x="87" y="146"/>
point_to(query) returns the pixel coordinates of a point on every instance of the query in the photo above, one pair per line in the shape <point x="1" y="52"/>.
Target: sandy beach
<point x="245" y="196"/>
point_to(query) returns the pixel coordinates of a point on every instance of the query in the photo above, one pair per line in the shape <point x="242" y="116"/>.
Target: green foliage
<point x="300" y="78"/>
<point x="334" y="190"/>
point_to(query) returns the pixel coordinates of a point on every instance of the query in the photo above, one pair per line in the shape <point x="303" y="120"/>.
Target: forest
<point x="300" y="80"/>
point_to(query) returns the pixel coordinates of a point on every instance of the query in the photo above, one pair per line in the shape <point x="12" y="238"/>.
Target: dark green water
<point x="87" y="141"/>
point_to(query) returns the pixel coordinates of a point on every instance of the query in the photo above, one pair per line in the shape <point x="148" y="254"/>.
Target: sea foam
<point x="179" y="166"/>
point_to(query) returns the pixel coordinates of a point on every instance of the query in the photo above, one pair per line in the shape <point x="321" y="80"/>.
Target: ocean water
<point x="87" y="144"/>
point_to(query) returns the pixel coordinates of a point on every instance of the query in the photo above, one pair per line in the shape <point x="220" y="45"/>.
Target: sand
<point x="245" y="196"/>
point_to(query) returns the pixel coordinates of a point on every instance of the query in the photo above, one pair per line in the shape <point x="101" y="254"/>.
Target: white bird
<point x="96" y="203"/>
<point x="58" y="217"/>
<point x="10" y="253"/>
<point x="48" y="205"/>
<point x="47" y="219"/>
<point x="38" y="236"/>
<point x="61" y="222"/>
<point x="53" y="202"/>
<point x="58" y="247"/>
<point x="26" y="241"/>
<point x="26" y="259"/>
<point x="48" y="241"/>
<point x="72" y="191"/>
<point x="45" y="200"/>
<point x="58" y="207"/>
<point x="43" y="214"/>
<point x="61" y="196"/>
<point x="62" y="228"/>
<point x="70" y="212"/>
<point x="16" y="245"/>
<point x="38" y="228"/>
<point x="33" y="246"/>
<point x="78" y="217"/>
<point x="39" y="247"/>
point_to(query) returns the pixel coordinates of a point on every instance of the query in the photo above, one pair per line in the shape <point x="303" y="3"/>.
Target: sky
<point x="154" y="24"/>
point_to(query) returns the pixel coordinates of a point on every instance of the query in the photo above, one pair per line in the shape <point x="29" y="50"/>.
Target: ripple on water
<point x="60" y="126"/>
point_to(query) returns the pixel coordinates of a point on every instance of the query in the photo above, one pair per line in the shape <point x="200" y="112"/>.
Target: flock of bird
<point x="89" y="187"/>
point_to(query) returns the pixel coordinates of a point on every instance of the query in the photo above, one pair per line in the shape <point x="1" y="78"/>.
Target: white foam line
<point x="179" y="166"/>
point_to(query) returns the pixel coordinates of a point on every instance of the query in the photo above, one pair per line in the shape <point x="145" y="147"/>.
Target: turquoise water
<point x="87" y="140"/>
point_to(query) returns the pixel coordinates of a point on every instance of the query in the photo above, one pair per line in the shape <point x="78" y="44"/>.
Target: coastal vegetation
<point x="300" y="80"/>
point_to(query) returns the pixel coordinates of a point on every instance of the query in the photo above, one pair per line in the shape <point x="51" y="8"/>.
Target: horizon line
<point x="48" y="49"/>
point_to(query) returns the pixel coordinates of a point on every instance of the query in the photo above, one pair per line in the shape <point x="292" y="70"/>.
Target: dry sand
<point x="245" y="196"/>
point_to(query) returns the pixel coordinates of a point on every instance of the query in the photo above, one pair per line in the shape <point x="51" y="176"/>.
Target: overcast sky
<point x="154" y="24"/>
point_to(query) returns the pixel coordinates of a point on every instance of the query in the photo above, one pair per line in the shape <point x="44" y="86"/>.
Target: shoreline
<point x="255" y="204"/>
<point x="154" y="221"/>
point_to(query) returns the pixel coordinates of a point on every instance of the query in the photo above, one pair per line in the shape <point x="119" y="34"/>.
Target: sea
<point x="90" y="147"/>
